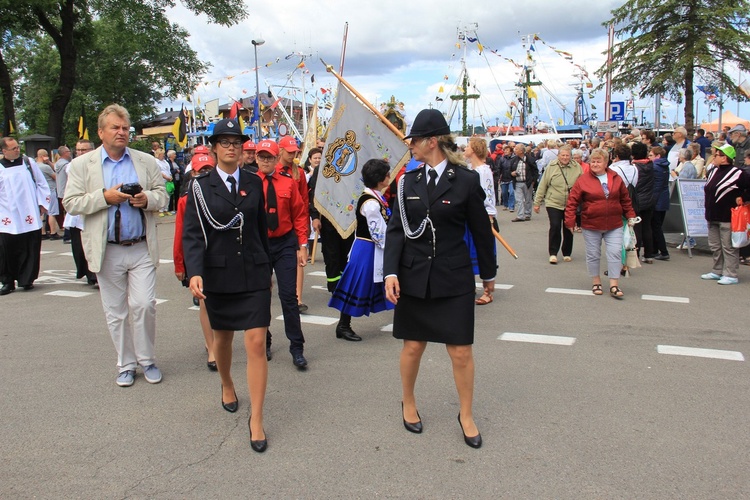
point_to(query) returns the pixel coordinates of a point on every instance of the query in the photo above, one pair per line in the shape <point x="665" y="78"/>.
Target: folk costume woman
<point x="360" y="290"/>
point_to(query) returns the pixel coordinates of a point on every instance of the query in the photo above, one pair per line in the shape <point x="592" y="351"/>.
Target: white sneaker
<point x="726" y="280"/>
<point x="553" y="259"/>
<point x="711" y="276"/>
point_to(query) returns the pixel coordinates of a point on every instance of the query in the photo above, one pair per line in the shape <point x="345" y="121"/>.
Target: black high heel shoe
<point x="231" y="407"/>
<point x="415" y="427"/>
<point x="258" y="446"/>
<point x="474" y="441"/>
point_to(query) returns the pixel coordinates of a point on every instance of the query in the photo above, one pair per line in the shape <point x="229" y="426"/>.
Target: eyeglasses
<point x="226" y="143"/>
<point x="14" y="148"/>
<point x="265" y="158"/>
<point x="82" y="150"/>
<point x="719" y="153"/>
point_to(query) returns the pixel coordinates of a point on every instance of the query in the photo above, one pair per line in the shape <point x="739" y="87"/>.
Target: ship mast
<point x="526" y="83"/>
<point x="464" y="95"/>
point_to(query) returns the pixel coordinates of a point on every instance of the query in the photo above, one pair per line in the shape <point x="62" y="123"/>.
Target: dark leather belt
<point x="128" y="243"/>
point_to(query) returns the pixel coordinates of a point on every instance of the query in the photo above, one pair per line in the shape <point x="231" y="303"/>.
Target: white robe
<point x="21" y="197"/>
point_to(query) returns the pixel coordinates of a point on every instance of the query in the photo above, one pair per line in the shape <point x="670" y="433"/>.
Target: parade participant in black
<point x="360" y="290"/>
<point x="287" y="241"/>
<point x="335" y="252"/>
<point x="227" y="260"/>
<point x="427" y="265"/>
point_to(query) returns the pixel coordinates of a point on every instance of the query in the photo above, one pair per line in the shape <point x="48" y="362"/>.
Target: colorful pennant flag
<point x="179" y="129"/>
<point x="83" y="130"/>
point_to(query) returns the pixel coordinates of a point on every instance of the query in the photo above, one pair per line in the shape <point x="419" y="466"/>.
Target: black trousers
<point x="20" y="256"/>
<point x="335" y="251"/>
<point x="558" y="233"/>
<point x="284" y="262"/>
<point x="657" y="233"/>
<point x="644" y="234"/>
<point x="82" y="265"/>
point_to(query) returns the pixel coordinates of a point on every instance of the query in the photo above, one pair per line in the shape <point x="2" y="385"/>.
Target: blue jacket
<point x="661" y="184"/>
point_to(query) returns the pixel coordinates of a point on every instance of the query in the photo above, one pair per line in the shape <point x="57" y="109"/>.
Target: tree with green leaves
<point x="666" y="47"/>
<point x="77" y="28"/>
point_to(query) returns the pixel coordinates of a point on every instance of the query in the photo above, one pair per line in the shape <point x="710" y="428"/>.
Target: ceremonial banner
<point x="83" y="130"/>
<point x="179" y="129"/>
<point x="354" y="136"/>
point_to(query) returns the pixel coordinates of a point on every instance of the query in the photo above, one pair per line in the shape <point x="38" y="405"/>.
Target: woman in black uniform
<point x="427" y="265"/>
<point x="226" y="258"/>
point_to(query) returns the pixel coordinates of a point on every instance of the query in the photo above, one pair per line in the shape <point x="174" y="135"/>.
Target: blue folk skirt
<point x="356" y="294"/>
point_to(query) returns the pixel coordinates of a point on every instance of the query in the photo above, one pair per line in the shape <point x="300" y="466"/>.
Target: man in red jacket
<point x="287" y="240"/>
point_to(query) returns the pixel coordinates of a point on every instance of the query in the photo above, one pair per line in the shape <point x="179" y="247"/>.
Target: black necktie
<point x="271" y="215"/>
<point x="431" y="182"/>
<point x="233" y="189"/>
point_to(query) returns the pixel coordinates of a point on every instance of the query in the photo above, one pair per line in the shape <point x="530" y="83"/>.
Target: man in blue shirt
<point x="118" y="190"/>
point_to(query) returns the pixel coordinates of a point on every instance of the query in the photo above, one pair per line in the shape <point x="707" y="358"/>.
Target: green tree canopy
<point x="97" y="52"/>
<point x="665" y="44"/>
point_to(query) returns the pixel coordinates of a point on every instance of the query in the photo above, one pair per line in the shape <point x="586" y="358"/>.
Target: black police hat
<point x="429" y="123"/>
<point x="227" y="126"/>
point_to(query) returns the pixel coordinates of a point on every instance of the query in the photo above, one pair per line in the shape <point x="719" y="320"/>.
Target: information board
<point x="692" y="201"/>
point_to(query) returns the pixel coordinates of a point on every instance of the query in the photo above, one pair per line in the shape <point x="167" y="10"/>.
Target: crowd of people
<point x="245" y="213"/>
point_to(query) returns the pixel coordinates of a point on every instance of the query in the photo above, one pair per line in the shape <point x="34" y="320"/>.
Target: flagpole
<point x="364" y="101"/>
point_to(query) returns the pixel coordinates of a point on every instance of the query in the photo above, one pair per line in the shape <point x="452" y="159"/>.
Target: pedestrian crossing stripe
<point x="68" y="293"/>
<point x="700" y="352"/>
<point x="537" y="339"/>
<point x="666" y="298"/>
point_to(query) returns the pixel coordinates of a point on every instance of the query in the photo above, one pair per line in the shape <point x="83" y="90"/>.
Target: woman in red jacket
<point x="200" y="165"/>
<point x="604" y="202"/>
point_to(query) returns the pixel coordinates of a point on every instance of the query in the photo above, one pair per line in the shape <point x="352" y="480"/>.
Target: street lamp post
<point x="260" y="41"/>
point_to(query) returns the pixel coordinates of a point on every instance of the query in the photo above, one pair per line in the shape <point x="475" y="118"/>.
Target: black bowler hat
<point x="227" y="127"/>
<point x="429" y="123"/>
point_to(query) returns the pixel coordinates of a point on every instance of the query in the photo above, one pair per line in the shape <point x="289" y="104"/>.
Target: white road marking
<point x="161" y="301"/>
<point x="570" y="291"/>
<point x="498" y="286"/>
<point x="317" y="273"/>
<point x="194" y="308"/>
<point x="165" y="261"/>
<point x="314" y="320"/>
<point x="45" y="252"/>
<point x="700" y="353"/>
<point x="666" y="298"/>
<point x="536" y="339"/>
<point x="66" y="254"/>
<point x="387" y="328"/>
<point x="68" y="293"/>
<point x="318" y="287"/>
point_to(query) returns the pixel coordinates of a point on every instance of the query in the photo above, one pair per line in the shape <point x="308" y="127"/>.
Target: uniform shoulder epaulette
<point x="418" y="168"/>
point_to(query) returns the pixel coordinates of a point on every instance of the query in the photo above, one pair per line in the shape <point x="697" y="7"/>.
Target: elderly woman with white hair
<point x="680" y="142"/>
<point x="685" y="169"/>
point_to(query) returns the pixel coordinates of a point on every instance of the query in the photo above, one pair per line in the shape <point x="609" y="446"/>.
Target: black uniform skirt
<point x="239" y="311"/>
<point x="448" y="320"/>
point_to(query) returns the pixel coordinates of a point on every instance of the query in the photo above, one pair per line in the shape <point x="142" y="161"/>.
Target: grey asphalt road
<point x="599" y="413"/>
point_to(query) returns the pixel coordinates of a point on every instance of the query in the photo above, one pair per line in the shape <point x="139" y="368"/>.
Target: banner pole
<point x="364" y="101"/>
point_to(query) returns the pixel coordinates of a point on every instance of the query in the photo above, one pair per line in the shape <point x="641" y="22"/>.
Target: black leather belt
<point x="128" y="243"/>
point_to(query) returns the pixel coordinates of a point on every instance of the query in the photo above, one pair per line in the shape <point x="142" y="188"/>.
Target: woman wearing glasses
<point x="604" y="201"/>
<point x="225" y="245"/>
<point x="726" y="187"/>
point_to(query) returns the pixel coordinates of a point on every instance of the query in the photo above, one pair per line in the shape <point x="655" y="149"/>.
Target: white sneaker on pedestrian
<point x="710" y="276"/>
<point x="726" y="280"/>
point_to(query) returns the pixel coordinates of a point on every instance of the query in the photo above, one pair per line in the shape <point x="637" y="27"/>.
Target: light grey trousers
<point x="613" y="242"/>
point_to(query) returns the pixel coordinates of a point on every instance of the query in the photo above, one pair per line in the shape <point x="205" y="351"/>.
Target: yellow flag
<point x="531" y="93"/>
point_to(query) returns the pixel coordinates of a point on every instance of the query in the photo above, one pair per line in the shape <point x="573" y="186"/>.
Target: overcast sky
<point x="408" y="49"/>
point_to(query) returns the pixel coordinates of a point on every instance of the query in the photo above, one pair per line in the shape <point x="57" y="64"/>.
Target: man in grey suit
<point x="118" y="190"/>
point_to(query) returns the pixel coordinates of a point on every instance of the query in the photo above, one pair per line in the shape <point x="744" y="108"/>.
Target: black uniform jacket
<point x="458" y="200"/>
<point x="228" y="264"/>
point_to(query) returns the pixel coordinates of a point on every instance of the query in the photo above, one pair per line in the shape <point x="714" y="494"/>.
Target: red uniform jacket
<point x="292" y="210"/>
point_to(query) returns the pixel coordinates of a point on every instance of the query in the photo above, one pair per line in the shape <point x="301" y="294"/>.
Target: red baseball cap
<point x="202" y="150"/>
<point x="289" y="144"/>
<point x="201" y="161"/>
<point x="248" y="146"/>
<point x="267" y="146"/>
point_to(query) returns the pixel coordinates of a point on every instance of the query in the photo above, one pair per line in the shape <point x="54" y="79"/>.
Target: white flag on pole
<point x="354" y="136"/>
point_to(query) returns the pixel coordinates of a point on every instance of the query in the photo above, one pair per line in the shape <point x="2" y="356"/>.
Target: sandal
<point x="596" y="289"/>
<point x="615" y="292"/>
<point x="482" y="301"/>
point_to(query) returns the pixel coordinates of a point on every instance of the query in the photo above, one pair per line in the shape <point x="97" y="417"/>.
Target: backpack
<point x="632" y="193"/>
